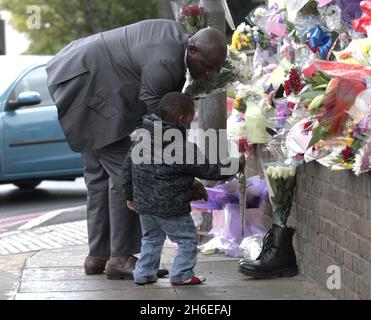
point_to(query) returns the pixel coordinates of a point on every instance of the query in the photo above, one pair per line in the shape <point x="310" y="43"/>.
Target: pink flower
<point x="299" y="157"/>
<point x="290" y="105"/>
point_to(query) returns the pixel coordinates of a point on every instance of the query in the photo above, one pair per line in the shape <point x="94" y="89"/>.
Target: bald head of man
<point x="206" y="53"/>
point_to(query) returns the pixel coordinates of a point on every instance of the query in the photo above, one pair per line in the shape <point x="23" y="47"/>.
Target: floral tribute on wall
<point x="308" y="84"/>
<point x="306" y="97"/>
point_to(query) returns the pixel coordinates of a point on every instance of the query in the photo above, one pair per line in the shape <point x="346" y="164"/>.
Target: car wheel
<point x="27" y="184"/>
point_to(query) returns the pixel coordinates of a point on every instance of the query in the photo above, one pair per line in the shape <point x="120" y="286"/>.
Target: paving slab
<point x="11" y="268"/>
<point x="148" y="294"/>
<point x="58" y="275"/>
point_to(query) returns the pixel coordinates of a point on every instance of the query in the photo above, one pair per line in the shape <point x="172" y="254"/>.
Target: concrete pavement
<point x="52" y="269"/>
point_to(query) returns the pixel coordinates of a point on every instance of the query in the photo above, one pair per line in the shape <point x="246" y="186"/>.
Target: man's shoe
<point x="95" y="265"/>
<point x="123" y="268"/>
<point x="191" y="281"/>
<point x="120" y="267"/>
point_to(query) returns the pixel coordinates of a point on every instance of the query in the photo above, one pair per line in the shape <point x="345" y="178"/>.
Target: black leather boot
<point x="277" y="258"/>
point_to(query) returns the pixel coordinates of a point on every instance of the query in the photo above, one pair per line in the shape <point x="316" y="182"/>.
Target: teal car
<point x="33" y="147"/>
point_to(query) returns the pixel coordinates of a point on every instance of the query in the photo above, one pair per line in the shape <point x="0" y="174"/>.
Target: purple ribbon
<point x="228" y="193"/>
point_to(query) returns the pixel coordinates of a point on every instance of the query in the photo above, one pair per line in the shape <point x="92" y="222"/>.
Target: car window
<point x="35" y="80"/>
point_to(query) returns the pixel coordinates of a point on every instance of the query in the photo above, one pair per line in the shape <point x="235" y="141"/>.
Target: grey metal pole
<point x="2" y="37"/>
<point x="212" y="110"/>
<point x="164" y="10"/>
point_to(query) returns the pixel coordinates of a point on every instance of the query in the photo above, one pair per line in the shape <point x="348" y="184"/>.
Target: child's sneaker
<point x="193" y="280"/>
<point x="145" y="280"/>
<point x="144" y="283"/>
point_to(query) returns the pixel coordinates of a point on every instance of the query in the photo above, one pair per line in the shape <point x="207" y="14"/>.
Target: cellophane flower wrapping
<point x="350" y="10"/>
<point x="281" y="182"/>
<point x="223" y="200"/>
<point x="190" y="14"/>
<point x="255" y="118"/>
<point x="362" y="162"/>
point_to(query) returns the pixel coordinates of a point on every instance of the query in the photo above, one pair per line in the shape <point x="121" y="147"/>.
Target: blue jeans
<point x="179" y="229"/>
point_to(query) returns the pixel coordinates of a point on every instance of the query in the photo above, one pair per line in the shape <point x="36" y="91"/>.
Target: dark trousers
<point x="113" y="229"/>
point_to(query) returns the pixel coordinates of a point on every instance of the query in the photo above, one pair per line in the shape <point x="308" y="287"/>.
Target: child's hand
<point x="199" y="191"/>
<point x="242" y="161"/>
<point x="130" y="205"/>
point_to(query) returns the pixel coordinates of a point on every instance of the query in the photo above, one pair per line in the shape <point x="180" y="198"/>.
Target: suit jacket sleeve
<point x="159" y="77"/>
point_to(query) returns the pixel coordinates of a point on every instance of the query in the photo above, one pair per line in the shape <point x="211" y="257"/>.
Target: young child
<point x="161" y="193"/>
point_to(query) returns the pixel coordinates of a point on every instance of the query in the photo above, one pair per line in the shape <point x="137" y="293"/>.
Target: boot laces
<point x="267" y="243"/>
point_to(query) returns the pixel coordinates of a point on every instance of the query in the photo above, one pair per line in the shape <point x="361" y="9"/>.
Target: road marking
<point x="21" y="217"/>
<point x="6" y="223"/>
<point x="50" y="237"/>
<point x="47" y="216"/>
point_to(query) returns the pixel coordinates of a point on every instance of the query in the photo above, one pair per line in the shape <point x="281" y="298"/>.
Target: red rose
<point x="242" y="144"/>
<point x="347" y="153"/>
<point x="195" y="10"/>
<point x="186" y="11"/>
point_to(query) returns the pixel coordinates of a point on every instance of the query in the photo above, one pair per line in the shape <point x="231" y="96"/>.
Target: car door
<point x="34" y="144"/>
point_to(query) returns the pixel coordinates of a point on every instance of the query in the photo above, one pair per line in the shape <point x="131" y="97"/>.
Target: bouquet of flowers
<point x="281" y="185"/>
<point x="236" y="69"/>
<point x="358" y="52"/>
<point x="362" y="161"/>
<point x="190" y="14"/>
<point x="252" y="100"/>
<point x="246" y="38"/>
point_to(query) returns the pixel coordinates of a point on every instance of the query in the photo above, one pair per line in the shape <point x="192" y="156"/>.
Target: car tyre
<point x="27" y="184"/>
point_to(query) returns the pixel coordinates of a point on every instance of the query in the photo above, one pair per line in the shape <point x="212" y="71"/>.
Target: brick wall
<point x="332" y="217"/>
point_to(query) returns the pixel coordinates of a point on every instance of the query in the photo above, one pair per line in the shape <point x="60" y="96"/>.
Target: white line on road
<point x="45" y="217"/>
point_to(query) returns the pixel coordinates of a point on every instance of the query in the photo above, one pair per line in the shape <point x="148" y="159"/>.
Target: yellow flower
<point x="236" y="44"/>
<point x="237" y="102"/>
<point x="366" y="50"/>
<point x="347" y="165"/>
<point x="240" y="41"/>
<point x="348" y="141"/>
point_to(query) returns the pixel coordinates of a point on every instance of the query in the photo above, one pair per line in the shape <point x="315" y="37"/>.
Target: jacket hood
<point x="154" y="137"/>
<point x="149" y="122"/>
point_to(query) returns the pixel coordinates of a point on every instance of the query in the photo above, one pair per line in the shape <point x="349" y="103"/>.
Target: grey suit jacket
<point x="103" y="84"/>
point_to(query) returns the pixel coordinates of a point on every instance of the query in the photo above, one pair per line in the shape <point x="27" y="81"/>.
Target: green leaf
<point x="320" y="133"/>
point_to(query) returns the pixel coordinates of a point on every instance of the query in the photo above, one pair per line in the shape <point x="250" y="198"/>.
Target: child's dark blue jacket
<point x="165" y="189"/>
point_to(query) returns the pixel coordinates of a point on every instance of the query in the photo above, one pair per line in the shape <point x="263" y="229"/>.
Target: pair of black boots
<point x="277" y="258"/>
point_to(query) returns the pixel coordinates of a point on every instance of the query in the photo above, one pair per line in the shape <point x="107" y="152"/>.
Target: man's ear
<point x="192" y="49"/>
<point x="181" y="120"/>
